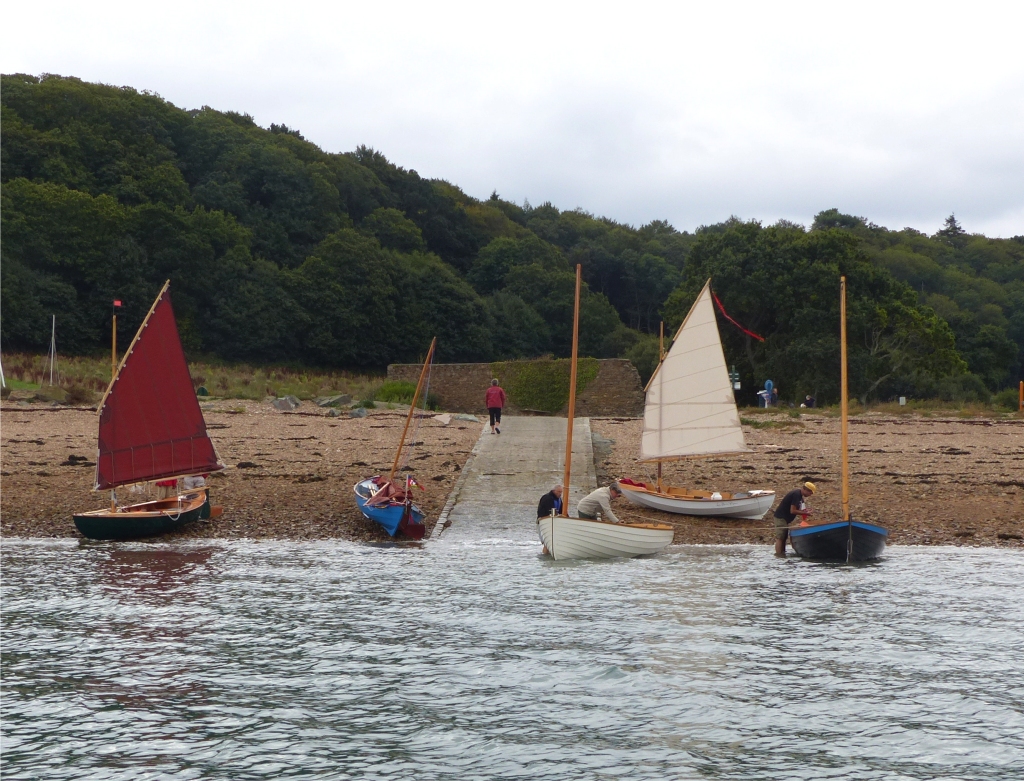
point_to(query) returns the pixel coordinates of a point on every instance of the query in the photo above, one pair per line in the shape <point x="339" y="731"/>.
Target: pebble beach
<point x="930" y="480"/>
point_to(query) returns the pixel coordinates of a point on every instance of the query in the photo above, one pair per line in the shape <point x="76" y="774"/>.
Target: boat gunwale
<point x="761" y="492"/>
<point x="619" y="524"/>
<point x="126" y="512"/>
<point x="802" y="531"/>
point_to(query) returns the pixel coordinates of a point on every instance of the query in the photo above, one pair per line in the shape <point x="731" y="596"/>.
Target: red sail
<point x="151" y="426"/>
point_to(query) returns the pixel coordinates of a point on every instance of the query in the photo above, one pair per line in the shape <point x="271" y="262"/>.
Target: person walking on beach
<point x="789" y="508"/>
<point x="599" y="502"/>
<point x="495" y="400"/>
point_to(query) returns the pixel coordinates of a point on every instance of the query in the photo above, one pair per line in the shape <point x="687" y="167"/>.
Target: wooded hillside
<point x="281" y="252"/>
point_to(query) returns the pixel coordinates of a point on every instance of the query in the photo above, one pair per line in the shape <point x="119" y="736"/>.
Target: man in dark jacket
<point x="552" y="500"/>
<point x="789" y="508"/>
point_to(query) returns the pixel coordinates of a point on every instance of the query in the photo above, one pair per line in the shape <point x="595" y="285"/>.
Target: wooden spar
<point x="844" y="400"/>
<point x="138" y="335"/>
<point x="678" y="331"/>
<point x="572" y="397"/>
<point x="113" y="376"/>
<point x="113" y="347"/>
<point x="412" y="408"/>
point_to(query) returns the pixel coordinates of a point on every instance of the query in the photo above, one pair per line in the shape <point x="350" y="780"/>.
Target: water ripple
<point x="281" y="660"/>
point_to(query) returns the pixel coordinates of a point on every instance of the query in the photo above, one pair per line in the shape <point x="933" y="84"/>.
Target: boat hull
<point x="829" y="541"/>
<point x="391" y="517"/>
<point x="579" y="538"/>
<point x="752" y="505"/>
<point x="148" y="519"/>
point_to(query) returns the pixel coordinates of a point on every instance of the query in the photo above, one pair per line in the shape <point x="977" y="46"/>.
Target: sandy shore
<point x="929" y="480"/>
<point x="292" y="472"/>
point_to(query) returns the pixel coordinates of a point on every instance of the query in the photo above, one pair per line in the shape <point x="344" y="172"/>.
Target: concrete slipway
<point x="496" y="496"/>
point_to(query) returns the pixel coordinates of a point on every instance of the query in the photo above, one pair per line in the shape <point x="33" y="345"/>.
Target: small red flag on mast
<point x="117" y="302"/>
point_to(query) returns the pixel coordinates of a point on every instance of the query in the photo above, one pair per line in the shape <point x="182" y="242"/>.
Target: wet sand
<point x="930" y="480"/>
<point x="292" y="472"/>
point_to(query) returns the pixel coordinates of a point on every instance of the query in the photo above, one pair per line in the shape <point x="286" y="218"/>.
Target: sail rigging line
<point x="727" y="317"/>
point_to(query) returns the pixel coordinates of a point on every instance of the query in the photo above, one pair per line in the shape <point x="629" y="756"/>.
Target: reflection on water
<point x="330" y="660"/>
<point x="152" y="571"/>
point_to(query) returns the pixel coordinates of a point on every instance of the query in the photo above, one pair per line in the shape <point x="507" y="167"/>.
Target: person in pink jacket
<point x="495" y="400"/>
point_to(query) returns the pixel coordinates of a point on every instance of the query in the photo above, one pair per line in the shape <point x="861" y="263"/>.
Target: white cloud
<point x="899" y="112"/>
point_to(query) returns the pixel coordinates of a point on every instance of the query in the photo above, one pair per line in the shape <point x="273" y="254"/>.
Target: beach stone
<point x="334" y="413"/>
<point x="333" y="401"/>
<point x="358" y="412"/>
<point x="285" y="404"/>
<point x="443" y="419"/>
<point x="51" y="393"/>
<point x="467" y="418"/>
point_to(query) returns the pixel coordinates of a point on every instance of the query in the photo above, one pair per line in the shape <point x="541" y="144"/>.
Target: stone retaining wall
<point x="460" y="387"/>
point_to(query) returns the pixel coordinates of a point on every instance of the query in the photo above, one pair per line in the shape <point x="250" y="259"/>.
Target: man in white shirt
<point x="599" y="502"/>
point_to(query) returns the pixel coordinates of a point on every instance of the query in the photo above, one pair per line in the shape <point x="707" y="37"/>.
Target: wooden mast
<point x="572" y="397"/>
<point x="661" y="359"/>
<point x="844" y="398"/>
<point x="113" y="376"/>
<point x="113" y="345"/>
<point x="412" y="408"/>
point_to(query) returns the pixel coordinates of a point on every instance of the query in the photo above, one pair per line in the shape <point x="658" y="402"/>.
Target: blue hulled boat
<point x="394" y="514"/>
<point x="844" y="541"/>
<point x="381" y="498"/>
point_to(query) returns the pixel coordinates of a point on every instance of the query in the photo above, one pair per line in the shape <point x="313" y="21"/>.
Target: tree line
<point x="281" y="252"/>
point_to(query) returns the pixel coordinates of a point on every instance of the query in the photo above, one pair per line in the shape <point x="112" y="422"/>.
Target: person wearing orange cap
<point x="789" y="508"/>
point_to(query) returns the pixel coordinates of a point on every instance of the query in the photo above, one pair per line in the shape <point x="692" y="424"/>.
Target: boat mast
<point x="572" y="397"/>
<point x="113" y="376"/>
<point x="412" y="408"/>
<point x="53" y="349"/>
<point x="113" y="345"/>
<point x="844" y="398"/>
<point x="661" y="359"/>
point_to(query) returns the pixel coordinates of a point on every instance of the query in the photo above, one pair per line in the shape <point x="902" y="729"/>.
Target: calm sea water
<point x="484" y="661"/>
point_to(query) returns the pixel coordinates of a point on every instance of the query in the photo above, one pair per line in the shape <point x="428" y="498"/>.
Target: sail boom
<point x="695" y="456"/>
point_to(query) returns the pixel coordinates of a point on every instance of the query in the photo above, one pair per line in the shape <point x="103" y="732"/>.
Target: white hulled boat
<point x="581" y="538"/>
<point x="691" y="413"/>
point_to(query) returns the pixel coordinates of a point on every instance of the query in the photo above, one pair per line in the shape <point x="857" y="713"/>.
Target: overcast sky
<point x="898" y="112"/>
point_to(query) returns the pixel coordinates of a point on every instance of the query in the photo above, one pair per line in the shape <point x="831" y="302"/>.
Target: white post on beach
<point x="53" y="346"/>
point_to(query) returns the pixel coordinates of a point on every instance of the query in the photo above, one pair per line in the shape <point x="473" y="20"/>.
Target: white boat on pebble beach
<point x="690" y="413"/>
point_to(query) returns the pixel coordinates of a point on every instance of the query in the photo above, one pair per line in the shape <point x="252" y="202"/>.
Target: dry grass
<point x="233" y="381"/>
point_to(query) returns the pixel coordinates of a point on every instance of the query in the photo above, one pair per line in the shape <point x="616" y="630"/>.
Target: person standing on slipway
<point x="495" y="400"/>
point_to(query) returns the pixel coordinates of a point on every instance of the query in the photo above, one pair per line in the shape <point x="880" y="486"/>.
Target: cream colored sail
<point x="690" y="407"/>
